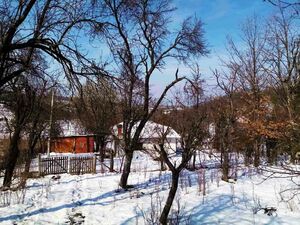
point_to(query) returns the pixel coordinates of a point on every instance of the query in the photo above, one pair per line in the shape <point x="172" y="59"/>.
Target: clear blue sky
<point x="221" y="18"/>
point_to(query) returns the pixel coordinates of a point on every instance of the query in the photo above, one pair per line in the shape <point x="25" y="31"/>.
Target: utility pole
<point x="50" y="125"/>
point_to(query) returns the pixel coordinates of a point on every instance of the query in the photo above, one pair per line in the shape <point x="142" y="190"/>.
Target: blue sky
<point x="221" y="18"/>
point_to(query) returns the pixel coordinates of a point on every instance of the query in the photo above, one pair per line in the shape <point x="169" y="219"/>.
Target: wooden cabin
<point x="73" y="144"/>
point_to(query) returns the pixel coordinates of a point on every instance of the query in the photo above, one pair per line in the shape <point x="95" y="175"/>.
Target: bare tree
<point x="49" y="27"/>
<point x="97" y="108"/>
<point x="293" y="5"/>
<point x="250" y="73"/>
<point x="191" y="124"/>
<point x="193" y="88"/>
<point x="227" y="116"/>
<point x="140" y="41"/>
<point x="36" y="124"/>
<point x="194" y="93"/>
<point x="20" y="99"/>
<point x="34" y="32"/>
<point x="283" y="52"/>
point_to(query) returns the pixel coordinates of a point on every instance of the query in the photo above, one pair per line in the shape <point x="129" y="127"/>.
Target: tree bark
<point x="126" y="169"/>
<point x="165" y="213"/>
<point x="97" y="144"/>
<point x="33" y="140"/>
<point x="102" y="149"/>
<point x="111" y="165"/>
<point x="225" y="165"/>
<point x="12" y="158"/>
<point x="194" y="160"/>
<point x="162" y="164"/>
<point x="256" y="154"/>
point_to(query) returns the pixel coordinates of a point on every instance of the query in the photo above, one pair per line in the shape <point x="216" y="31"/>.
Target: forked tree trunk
<point x="172" y="193"/>
<point x="12" y="158"/>
<point x="126" y="169"/>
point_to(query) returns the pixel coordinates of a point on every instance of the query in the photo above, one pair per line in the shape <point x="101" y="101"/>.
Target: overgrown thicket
<point x="259" y="112"/>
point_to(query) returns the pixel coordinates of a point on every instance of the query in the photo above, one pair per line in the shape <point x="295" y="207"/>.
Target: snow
<point x="152" y="130"/>
<point x="71" y="128"/>
<point x="5" y="116"/>
<point x="97" y="198"/>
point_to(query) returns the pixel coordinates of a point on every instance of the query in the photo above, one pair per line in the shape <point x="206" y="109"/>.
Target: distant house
<point x="73" y="139"/>
<point x="73" y="144"/>
<point x="152" y="135"/>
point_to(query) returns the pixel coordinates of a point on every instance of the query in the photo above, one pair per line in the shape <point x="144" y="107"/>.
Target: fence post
<point x="94" y="164"/>
<point x="39" y="164"/>
<point x="69" y="165"/>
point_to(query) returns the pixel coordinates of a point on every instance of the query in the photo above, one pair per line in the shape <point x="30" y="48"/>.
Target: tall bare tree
<point x="20" y="99"/>
<point x="283" y="53"/>
<point x="141" y="41"/>
<point x="32" y="33"/>
<point x="97" y="109"/>
<point x="194" y="92"/>
<point x="227" y="116"/>
<point x="50" y="27"/>
<point x="191" y="124"/>
<point x="36" y="123"/>
<point x="249" y="64"/>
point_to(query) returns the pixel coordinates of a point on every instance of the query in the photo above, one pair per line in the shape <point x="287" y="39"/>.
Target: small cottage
<point x="152" y="135"/>
<point x="73" y="144"/>
<point x="73" y="139"/>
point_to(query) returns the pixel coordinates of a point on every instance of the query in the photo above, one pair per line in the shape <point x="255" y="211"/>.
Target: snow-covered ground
<point x="97" y="198"/>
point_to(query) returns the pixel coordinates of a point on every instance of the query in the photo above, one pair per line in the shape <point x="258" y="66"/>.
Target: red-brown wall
<point x="74" y="144"/>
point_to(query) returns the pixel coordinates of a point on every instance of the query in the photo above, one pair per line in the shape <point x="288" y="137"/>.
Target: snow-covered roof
<point x="71" y="128"/>
<point x="152" y="130"/>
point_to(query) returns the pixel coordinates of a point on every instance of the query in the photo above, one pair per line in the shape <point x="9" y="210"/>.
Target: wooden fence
<point x="65" y="164"/>
<point x="81" y="165"/>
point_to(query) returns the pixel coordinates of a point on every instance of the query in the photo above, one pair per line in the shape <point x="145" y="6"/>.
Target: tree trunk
<point x="126" y="168"/>
<point x="102" y="150"/>
<point x="194" y="160"/>
<point x="111" y="166"/>
<point x="97" y="144"/>
<point x="162" y="164"/>
<point x="248" y="154"/>
<point x="225" y="165"/>
<point x="27" y="168"/>
<point x="165" y="213"/>
<point x="256" y="154"/>
<point x="30" y="154"/>
<point x="12" y="158"/>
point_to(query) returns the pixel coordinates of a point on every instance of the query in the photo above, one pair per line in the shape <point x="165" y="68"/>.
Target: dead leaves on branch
<point x="257" y="118"/>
